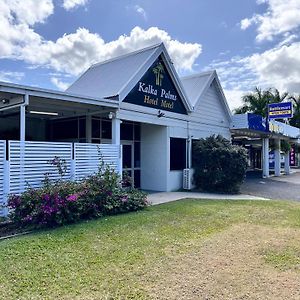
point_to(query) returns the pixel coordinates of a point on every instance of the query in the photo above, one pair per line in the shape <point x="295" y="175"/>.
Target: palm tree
<point x="295" y="121"/>
<point x="257" y="102"/>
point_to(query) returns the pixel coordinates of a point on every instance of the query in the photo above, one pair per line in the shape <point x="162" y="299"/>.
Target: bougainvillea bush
<point x="64" y="201"/>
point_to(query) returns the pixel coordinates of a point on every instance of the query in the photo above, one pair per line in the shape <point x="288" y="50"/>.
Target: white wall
<point x="210" y="115"/>
<point x="174" y="181"/>
<point x="154" y="157"/>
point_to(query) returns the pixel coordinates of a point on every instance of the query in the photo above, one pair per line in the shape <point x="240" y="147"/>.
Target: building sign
<point x="257" y="122"/>
<point x="157" y="90"/>
<point x="280" y="110"/>
<point x="276" y="127"/>
<point x="271" y="159"/>
<point x="292" y="157"/>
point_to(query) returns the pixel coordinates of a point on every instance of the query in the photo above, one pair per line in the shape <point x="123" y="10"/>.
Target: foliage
<point x="285" y="146"/>
<point x="129" y="255"/>
<point x="64" y="201"/>
<point x="295" y="120"/>
<point x="219" y="165"/>
<point x="257" y="101"/>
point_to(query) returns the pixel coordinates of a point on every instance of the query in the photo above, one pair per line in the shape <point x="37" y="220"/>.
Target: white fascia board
<point x="204" y="89"/>
<point x="130" y="84"/>
<point x="50" y="94"/>
<point x="176" y="79"/>
<point x="153" y="111"/>
<point x="126" y="89"/>
<point x="223" y="95"/>
<point x="211" y="78"/>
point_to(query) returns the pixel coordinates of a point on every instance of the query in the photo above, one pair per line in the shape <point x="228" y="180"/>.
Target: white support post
<point x="287" y="163"/>
<point x="265" y="152"/>
<point x="73" y="169"/>
<point x="116" y="138"/>
<point x="6" y="187"/>
<point x="22" y="142"/>
<point x="189" y="153"/>
<point x="22" y="123"/>
<point x="277" y="158"/>
<point x="116" y="131"/>
<point x="88" y="128"/>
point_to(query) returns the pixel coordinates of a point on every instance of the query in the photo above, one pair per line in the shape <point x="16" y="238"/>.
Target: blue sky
<point x="48" y="43"/>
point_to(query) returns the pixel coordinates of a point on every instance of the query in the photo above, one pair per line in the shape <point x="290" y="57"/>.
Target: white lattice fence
<point x="29" y="163"/>
<point x="88" y="158"/>
<point x="2" y="174"/>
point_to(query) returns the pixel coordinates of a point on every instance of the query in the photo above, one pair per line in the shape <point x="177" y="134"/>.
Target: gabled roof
<point x="118" y="76"/>
<point x="196" y="86"/>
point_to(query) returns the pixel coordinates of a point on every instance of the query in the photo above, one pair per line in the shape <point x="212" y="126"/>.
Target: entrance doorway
<point x="131" y="162"/>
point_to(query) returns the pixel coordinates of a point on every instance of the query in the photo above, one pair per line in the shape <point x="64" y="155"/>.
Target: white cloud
<point x="277" y="67"/>
<point x="59" y="84"/>
<point x="73" y="53"/>
<point x="234" y="97"/>
<point x="281" y="16"/>
<point x="9" y="76"/>
<point x="16" y="20"/>
<point x="71" y="4"/>
<point x="140" y="11"/>
<point x="31" y="11"/>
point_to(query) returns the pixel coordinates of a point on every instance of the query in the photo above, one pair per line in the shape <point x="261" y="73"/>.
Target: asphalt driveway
<point x="277" y="188"/>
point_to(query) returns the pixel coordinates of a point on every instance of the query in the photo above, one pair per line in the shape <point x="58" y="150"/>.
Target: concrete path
<point x="164" y="197"/>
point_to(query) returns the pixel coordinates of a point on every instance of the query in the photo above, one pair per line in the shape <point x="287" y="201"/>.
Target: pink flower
<point x="72" y="197"/>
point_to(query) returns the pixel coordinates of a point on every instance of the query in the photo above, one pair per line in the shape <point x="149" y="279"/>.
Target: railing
<point x="25" y="164"/>
<point x="2" y="174"/>
<point x="88" y="156"/>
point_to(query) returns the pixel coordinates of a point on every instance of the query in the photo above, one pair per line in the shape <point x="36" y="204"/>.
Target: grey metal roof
<point x="194" y="85"/>
<point x="6" y="87"/>
<point x="107" y="79"/>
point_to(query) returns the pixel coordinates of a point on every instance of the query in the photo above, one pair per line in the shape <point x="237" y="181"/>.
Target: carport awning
<point x="252" y="125"/>
<point x="44" y="100"/>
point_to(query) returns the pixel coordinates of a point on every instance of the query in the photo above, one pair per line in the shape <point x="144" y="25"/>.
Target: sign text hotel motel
<point x="157" y="90"/>
<point x="280" y="110"/>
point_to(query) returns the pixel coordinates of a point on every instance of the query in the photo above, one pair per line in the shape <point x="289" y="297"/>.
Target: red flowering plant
<point x="62" y="202"/>
<point x="51" y="205"/>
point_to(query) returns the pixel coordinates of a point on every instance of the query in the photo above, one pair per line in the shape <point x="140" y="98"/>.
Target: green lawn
<point x="189" y="249"/>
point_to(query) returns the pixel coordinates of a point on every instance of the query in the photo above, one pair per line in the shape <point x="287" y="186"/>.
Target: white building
<point x="136" y="100"/>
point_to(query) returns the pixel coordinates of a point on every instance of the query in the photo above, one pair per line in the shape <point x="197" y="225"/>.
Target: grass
<point x="189" y="249"/>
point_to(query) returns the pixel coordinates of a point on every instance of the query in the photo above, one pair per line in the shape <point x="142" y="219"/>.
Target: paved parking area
<point x="286" y="187"/>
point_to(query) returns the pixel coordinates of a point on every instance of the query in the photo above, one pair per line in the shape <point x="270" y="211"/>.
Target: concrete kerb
<point x="164" y="197"/>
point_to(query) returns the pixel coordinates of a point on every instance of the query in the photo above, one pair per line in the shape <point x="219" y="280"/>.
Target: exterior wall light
<point x="111" y="115"/>
<point x="160" y="114"/>
<point x="5" y="101"/>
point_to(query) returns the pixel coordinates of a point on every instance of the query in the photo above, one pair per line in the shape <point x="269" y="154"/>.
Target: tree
<point x="257" y="101"/>
<point x="295" y="121"/>
<point x="219" y="166"/>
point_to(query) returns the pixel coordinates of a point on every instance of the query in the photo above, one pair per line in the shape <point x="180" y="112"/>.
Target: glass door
<point x="131" y="162"/>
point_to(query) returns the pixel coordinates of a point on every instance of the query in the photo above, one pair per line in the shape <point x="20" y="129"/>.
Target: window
<point x="177" y="154"/>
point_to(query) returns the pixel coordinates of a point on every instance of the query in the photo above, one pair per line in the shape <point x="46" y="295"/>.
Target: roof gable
<point x="197" y="85"/>
<point x="106" y="79"/>
<point x="156" y="89"/>
<point x="117" y="77"/>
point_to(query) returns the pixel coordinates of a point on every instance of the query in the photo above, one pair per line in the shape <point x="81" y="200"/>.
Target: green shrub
<point x="219" y="165"/>
<point x="64" y="201"/>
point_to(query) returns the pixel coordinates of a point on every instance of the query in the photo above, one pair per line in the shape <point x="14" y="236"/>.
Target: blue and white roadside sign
<point x="281" y="110"/>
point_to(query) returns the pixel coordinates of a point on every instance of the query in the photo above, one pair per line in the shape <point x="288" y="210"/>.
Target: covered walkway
<point x="263" y="139"/>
